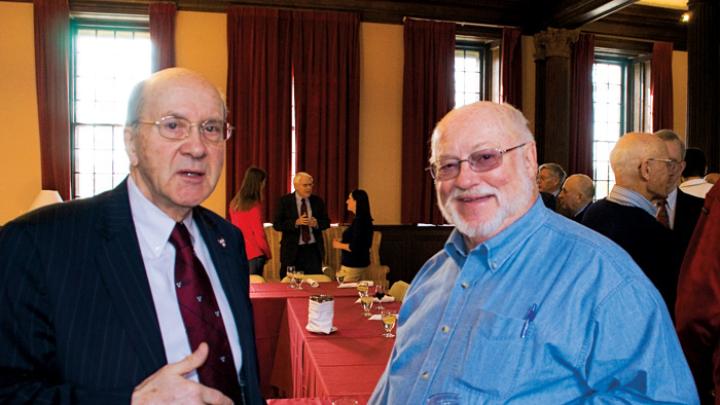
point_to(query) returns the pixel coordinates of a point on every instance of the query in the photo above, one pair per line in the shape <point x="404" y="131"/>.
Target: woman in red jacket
<point x="246" y="214"/>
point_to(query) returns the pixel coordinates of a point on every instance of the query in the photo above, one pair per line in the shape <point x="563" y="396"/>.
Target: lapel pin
<point x="221" y="241"/>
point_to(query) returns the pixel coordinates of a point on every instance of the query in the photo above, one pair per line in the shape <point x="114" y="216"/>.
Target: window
<point x="472" y="72"/>
<point x="620" y="94"/>
<point x="106" y="62"/>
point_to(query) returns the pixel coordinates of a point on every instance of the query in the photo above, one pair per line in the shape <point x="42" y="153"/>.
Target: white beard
<point x="487" y="229"/>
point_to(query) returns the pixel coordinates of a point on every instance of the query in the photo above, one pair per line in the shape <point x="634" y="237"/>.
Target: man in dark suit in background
<point x="683" y="209"/>
<point x="575" y="196"/>
<point x="137" y="295"/>
<point x="301" y="217"/>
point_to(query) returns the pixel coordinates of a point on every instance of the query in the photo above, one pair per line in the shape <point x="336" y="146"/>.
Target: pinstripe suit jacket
<point x="78" y="324"/>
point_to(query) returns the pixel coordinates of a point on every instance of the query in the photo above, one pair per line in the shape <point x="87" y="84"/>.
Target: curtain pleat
<point x="511" y="67"/>
<point x="162" y="34"/>
<point x="52" y="44"/>
<point x="428" y="91"/>
<point x="325" y="56"/>
<point x="581" y="106"/>
<point x="259" y="100"/>
<point x="661" y="86"/>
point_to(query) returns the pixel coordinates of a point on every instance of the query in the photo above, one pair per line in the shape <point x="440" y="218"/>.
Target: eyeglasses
<point x="671" y="163"/>
<point x="480" y="161"/>
<point x="178" y="128"/>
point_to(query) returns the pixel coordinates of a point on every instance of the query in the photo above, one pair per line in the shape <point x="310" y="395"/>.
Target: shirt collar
<point x="625" y="196"/>
<point x="498" y="249"/>
<point x="672" y="199"/>
<point x="152" y="224"/>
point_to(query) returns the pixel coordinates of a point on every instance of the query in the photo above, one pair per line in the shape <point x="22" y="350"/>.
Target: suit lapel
<point x="122" y="270"/>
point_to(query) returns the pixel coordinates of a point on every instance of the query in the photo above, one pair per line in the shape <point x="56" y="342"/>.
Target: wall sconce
<point x="685" y="17"/>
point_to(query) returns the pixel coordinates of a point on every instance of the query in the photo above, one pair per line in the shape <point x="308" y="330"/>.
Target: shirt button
<point x="445" y="329"/>
<point x="425" y="375"/>
<point x="493" y="264"/>
<point x="464" y="284"/>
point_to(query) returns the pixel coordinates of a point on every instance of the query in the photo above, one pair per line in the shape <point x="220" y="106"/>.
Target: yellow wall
<point x="381" y="89"/>
<point x="19" y="136"/>
<point x="200" y="45"/>
<point x="680" y="79"/>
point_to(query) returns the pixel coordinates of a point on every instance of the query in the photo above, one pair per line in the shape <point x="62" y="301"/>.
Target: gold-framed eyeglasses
<point x="178" y="128"/>
<point x="480" y="161"/>
<point x="671" y="163"/>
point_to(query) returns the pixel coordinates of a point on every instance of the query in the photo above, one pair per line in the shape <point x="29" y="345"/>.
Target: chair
<point x="256" y="279"/>
<point x="398" y="290"/>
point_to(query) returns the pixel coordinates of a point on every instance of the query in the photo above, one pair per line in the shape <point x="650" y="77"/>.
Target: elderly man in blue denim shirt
<point x="523" y="306"/>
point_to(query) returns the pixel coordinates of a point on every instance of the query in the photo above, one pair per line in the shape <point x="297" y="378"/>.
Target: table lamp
<point x="45" y="197"/>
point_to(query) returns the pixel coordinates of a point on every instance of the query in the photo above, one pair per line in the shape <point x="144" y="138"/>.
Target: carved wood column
<point x="553" y="48"/>
<point x="704" y="79"/>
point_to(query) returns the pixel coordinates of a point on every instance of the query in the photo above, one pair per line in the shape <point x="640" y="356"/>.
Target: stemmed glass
<point x="380" y="294"/>
<point x="362" y="288"/>
<point x="388" y="319"/>
<point x="298" y="278"/>
<point x="291" y="273"/>
<point x="367" y="304"/>
<point x="340" y="278"/>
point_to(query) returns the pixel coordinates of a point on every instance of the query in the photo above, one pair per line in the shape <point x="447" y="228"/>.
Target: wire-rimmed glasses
<point x="178" y="128"/>
<point x="480" y="161"/>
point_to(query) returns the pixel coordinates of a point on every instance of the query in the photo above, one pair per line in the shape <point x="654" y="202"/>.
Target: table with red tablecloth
<point x="298" y="363"/>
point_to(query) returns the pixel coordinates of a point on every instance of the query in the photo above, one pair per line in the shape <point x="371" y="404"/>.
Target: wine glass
<point x="340" y="278"/>
<point x="380" y="294"/>
<point x="291" y="274"/>
<point x="298" y="278"/>
<point x="388" y="319"/>
<point x="367" y="304"/>
<point x="362" y="288"/>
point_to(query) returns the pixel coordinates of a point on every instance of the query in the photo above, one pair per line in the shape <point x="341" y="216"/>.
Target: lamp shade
<point x="45" y="197"/>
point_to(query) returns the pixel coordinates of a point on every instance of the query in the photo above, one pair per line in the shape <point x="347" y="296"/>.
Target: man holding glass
<point x="522" y="305"/>
<point x="136" y="295"/>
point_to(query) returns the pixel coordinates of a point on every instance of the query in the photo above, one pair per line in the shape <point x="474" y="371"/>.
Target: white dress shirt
<point x="671" y="206"/>
<point x="298" y="202"/>
<point x="153" y="228"/>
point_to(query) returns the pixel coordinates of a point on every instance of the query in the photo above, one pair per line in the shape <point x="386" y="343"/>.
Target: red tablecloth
<point x="269" y="301"/>
<point x="316" y="367"/>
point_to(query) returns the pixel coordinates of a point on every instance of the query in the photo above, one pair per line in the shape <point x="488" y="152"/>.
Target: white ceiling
<point x="677" y="4"/>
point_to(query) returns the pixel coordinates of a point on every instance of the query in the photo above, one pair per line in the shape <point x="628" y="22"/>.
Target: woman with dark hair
<point x="357" y="238"/>
<point x="246" y="214"/>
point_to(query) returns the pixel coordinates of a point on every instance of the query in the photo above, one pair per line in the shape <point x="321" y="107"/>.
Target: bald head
<point x="153" y="86"/>
<point x="640" y="163"/>
<point x="577" y="192"/>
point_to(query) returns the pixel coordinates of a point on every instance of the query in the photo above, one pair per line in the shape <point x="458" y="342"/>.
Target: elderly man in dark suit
<point x="301" y="217"/>
<point x="575" y="196"/>
<point x="137" y="295"/>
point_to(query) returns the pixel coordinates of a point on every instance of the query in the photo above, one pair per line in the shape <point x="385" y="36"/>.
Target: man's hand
<point x="169" y="385"/>
<point x="303" y="220"/>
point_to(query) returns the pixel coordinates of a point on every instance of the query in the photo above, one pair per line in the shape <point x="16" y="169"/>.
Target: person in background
<point x="682" y="209"/>
<point x="576" y="196"/>
<point x="694" y="182"/>
<point x="550" y="179"/>
<point x="629" y="216"/>
<point x="134" y="296"/>
<point x="301" y="217"/>
<point x="697" y="311"/>
<point x="357" y="238"/>
<point x="522" y="306"/>
<point x="246" y="214"/>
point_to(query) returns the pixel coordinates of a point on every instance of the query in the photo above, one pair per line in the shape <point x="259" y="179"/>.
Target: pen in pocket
<point x="529" y="317"/>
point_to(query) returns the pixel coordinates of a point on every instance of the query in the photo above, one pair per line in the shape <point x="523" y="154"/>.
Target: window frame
<point x="484" y="45"/>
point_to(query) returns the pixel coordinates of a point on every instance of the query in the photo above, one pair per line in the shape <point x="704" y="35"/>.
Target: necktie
<point x="662" y="214"/>
<point x="304" y="229"/>
<point x="202" y="318"/>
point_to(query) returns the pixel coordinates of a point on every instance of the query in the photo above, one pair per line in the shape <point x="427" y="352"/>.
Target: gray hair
<point x="668" y="135"/>
<point x="555" y="169"/>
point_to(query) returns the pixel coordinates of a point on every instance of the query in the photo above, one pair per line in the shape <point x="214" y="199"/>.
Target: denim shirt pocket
<point x="494" y="355"/>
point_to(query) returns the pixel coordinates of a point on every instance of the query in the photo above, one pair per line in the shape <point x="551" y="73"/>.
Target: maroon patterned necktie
<point x="661" y="213"/>
<point x="202" y="318"/>
<point x="304" y="229"/>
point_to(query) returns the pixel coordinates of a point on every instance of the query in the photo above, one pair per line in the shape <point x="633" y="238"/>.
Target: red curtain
<point x="661" y="86"/>
<point x="511" y="67"/>
<point x="581" y="107"/>
<point x="325" y="56"/>
<point x="162" y="34"/>
<point x="428" y="90"/>
<point x="258" y="96"/>
<point x="52" y="38"/>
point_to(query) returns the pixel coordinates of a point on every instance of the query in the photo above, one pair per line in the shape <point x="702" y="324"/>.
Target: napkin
<point x="320" y="316"/>
<point x="376" y="317"/>
<point x="385" y="299"/>
<point x="354" y="285"/>
<point x="312" y="283"/>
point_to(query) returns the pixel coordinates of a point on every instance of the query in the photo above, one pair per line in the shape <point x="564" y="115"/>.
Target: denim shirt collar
<point x="498" y="249"/>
